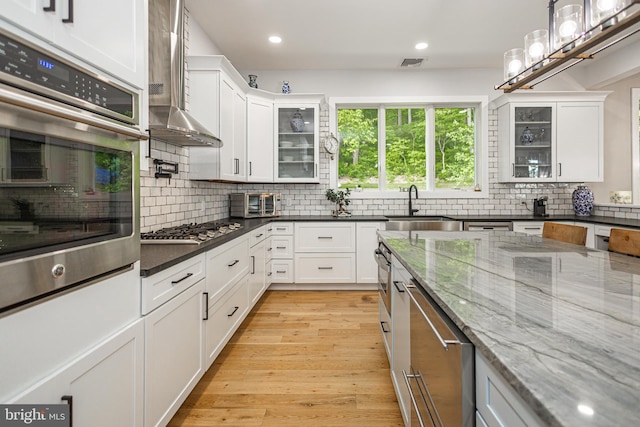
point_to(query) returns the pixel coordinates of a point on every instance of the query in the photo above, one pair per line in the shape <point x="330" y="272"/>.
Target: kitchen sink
<point x="423" y="224"/>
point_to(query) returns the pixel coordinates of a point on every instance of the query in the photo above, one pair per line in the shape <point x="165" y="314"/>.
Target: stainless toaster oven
<point x="255" y="205"/>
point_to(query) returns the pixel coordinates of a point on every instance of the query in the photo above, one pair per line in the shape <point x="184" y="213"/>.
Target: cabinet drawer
<point x="325" y="268"/>
<point x="325" y="237"/>
<point x="256" y="236"/>
<point x="282" y="270"/>
<point x="268" y="277"/>
<point x="161" y="287"/>
<point x="280" y="228"/>
<point x="497" y="402"/>
<point x="227" y="264"/>
<point x="282" y="246"/>
<point x="268" y="249"/>
<point x="224" y="317"/>
<point x="533" y="228"/>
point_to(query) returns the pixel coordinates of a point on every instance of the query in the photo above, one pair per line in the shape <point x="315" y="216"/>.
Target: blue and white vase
<point x="285" y="87"/>
<point x="297" y="122"/>
<point x="252" y="81"/>
<point x="582" y="199"/>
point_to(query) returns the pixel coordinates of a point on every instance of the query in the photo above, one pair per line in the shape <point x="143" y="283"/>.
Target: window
<point x="635" y="143"/>
<point x="390" y="147"/>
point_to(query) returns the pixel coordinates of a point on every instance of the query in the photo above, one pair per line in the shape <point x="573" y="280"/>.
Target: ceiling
<point x="367" y="34"/>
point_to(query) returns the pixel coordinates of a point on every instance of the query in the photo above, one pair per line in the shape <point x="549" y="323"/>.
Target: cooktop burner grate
<point x="189" y="233"/>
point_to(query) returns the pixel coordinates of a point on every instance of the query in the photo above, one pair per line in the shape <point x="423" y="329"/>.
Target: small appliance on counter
<point x="255" y="205"/>
<point x="540" y="206"/>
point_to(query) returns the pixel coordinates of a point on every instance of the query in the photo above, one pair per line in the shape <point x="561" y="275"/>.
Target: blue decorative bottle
<point x="582" y="199"/>
<point x="285" y="87"/>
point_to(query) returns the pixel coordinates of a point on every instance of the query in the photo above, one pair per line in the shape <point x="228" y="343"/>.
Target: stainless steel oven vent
<point x="168" y="120"/>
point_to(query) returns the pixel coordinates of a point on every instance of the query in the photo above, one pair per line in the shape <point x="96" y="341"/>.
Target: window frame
<point x="635" y="146"/>
<point x="480" y="103"/>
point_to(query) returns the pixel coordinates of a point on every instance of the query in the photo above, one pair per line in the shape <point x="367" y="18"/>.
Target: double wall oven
<point x="68" y="174"/>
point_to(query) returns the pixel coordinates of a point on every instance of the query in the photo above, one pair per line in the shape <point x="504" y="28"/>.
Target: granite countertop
<point x="560" y="322"/>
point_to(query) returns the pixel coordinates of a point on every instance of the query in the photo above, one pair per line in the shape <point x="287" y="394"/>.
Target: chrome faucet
<point x="411" y="210"/>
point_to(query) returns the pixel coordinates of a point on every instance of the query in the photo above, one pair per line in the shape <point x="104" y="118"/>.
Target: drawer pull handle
<point x="69" y="19"/>
<point x="397" y="284"/>
<point x="325" y="268"/>
<point x="233" y="263"/>
<point x="281" y="271"/>
<point x="269" y="273"/>
<point x="384" y="329"/>
<point x="269" y="249"/>
<point x="281" y="228"/>
<point x="281" y="247"/>
<point x="175" y="282"/>
<point x="69" y="399"/>
<point x="325" y="237"/>
<point x="259" y="235"/>
<point x="206" y="305"/>
<point x="233" y="312"/>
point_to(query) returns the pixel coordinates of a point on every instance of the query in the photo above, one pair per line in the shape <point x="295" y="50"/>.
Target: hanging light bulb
<point x="568" y="26"/>
<point x="603" y="9"/>
<point x="513" y="64"/>
<point x="536" y="48"/>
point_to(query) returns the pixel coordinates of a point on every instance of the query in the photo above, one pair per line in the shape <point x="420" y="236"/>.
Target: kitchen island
<point x="560" y="323"/>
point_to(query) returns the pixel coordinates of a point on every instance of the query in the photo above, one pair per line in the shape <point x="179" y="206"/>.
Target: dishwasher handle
<point x="444" y="343"/>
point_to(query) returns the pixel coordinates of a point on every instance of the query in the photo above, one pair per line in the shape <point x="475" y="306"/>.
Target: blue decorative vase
<point x="297" y="122"/>
<point x="582" y="199"/>
<point x="285" y="87"/>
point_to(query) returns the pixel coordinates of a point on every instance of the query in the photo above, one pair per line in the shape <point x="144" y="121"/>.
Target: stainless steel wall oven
<point x="69" y="180"/>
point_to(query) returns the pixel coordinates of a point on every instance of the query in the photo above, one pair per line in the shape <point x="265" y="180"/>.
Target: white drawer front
<point x="258" y="235"/>
<point x="224" y="317"/>
<point x="282" y="246"/>
<point x="161" y="287"/>
<point x="326" y="268"/>
<point x="268" y="275"/>
<point x="325" y="237"/>
<point x="280" y="228"/>
<point x="282" y="270"/>
<point x="268" y="249"/>
<point x="226" y="264"/>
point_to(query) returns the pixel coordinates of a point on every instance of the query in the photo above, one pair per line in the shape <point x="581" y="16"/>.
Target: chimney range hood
<point x="168" y="120"/>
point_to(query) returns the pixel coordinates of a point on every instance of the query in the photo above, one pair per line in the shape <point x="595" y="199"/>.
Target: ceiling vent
<point x="411" y="62"/>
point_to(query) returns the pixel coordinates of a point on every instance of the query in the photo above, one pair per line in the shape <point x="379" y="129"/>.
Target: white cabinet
<point x="325" y="252"/>
<point x="532" y="228"/>
<point x="296" y="140"/>
<point x="497" y="402"/>
<point x="282" y="252"/>
<point x="260" y="150"/>
<point x="173" y="354"/>
<point x="110" y="35"/>
<point x="400" y="339"/>
<point x="218" y="101"/>
<point x="366" y="243"/>
<point x="226" y="264"/>
<point x="257" y="272"/>
<point x="552" y="137"/>
<point x="105" y="384"/>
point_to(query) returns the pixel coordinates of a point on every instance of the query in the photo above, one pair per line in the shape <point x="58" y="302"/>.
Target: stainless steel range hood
<point x="168" y="120"/>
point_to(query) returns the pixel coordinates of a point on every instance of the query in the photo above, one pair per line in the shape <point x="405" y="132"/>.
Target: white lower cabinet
<point x="224" y="317"/>
<point x="325" y="268"/>
<point x="282" y="252"/>
<point x="173" y="354"/>
<point x="366" y="243"/>
<point x="532" y="228"/>
<point x="400" y="338"/>
<point x="257" y="266"/>
<point x="497" y="402"/>
<point x="105" y="384"/>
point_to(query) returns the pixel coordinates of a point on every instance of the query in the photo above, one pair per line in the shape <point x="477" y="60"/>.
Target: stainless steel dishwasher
<point x="441" y="382"/>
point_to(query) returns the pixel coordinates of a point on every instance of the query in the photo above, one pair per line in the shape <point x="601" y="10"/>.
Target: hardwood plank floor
<point x="301" y="358"/>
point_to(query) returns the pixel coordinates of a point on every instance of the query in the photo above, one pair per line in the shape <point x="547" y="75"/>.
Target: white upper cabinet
<point x="297" y="139"/>
<point x="259" y="139"/>
<point x="112" y="35"/>
<point x="551" y="137"/>
<point x="218" y="101"/>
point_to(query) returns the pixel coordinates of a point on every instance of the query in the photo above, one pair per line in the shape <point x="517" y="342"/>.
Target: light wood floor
<point x="301" y="358"/>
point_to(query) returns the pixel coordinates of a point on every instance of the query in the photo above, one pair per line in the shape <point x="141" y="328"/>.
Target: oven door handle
<point x="444" y="343"/>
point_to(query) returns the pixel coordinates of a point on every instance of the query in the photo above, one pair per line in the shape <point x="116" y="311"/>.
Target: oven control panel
<point x="26" y="66"/>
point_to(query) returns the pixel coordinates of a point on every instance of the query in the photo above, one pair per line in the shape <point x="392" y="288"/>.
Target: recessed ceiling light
<point x="275" y="39"/>
<point x="422" y="45"/>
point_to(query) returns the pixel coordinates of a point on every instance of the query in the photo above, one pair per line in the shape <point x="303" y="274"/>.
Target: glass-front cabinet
<point x="533" y="142"/>
<point x="297" y="130"/>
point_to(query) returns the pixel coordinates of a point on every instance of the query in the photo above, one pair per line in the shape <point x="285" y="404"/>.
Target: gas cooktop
<point x="189" y="233"/>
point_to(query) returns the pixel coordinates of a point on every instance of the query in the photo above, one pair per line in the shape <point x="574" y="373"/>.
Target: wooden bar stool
<point x="624" y="241"/>
<point x="568" y="233"/>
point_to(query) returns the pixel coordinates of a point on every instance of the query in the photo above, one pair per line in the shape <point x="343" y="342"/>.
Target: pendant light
<point x="568" y="26"/>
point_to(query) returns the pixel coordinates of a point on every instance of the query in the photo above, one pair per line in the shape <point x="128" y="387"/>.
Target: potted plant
<point x="341" y="199"/>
